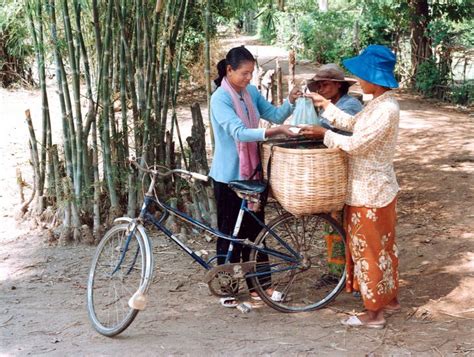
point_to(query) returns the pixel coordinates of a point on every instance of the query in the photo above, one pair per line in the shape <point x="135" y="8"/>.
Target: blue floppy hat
<point x="375" y="65"/>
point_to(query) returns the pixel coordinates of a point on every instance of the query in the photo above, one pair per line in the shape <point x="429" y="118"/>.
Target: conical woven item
<point x="304" y="179"/>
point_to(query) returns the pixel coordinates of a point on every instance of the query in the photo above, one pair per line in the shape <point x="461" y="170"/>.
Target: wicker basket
<point x="306" y="177"/>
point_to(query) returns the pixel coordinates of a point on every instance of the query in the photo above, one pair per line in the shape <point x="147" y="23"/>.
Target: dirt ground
<point x="43" y="286"/>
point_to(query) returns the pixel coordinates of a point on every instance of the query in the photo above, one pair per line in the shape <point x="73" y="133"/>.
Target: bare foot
<point x="393" y="305"/>
<point x="369" y="319"/>
<point x="372" y="317"/>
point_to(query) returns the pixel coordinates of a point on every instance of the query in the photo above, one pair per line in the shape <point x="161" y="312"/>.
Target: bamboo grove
<point x="124" y="58"/>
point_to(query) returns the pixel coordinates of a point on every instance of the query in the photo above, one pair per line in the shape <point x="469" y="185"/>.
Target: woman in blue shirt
<point x="236" y="107"/>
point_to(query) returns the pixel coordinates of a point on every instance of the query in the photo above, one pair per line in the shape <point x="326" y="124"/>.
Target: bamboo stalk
<point x="96" y="202"/>
<point x="90" y="115"/>
<point x="57" y="177"/>
<point x="59" y="80"/>
<point x="69" y="119"/>
<point x="160" y="86"/>
<point x="121" y="15"/>
<point x="174" y="119"/>
<point x="97" y="37"/>
<point x="112" y="123"/>
<point x="35" y="162"/>
<point x="77" y="117"/>
<point x="148" y="89"/>
<point x="41" y="73"/>
<point x="169" y="84"/>
<point x="47" y="139"/>
<point x="207" y="54"/>
<point x="105" y="135"/>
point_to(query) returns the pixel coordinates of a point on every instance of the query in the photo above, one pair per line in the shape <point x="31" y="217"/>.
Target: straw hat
<point x="329" y="72"/>
<point x="375" y="65"/>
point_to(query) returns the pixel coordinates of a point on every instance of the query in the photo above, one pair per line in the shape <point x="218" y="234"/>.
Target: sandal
<point x="228" y="301"/>
<point x="354" y="321"/>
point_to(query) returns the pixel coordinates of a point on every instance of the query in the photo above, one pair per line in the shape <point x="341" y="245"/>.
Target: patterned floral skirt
<point x="372" y="255"/>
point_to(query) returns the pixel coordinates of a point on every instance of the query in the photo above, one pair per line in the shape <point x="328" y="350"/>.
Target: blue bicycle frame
<point x="146" y="216"/>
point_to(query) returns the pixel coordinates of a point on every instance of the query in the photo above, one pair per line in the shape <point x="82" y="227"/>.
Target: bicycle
<point x="289" y="256"/>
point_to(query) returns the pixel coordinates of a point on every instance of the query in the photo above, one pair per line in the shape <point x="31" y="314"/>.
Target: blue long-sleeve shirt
<point x="228" y="128"/>
<point x="347" y="104"/>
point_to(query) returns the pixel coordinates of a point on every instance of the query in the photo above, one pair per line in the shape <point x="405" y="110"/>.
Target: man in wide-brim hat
<point x="330" y="82"/>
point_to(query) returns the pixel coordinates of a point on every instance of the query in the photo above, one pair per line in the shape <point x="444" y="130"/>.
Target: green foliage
<point x="13" y="29"/>
<point x="428" y="78"/>
<point x="463" y="94"/>
<point x="457" y="10"/>
<point x="233" y="9"/>
<point x="382" y="22"/>
<point x="15" y="47"/>
<point x="326" y="36"/>
<point x="266" y="24"/>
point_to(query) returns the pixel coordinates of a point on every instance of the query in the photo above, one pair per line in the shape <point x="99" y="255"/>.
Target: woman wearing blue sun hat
<point x="370" y="211"/>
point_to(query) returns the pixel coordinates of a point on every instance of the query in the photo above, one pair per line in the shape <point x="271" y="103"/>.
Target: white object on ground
<point x="244" y="307"/>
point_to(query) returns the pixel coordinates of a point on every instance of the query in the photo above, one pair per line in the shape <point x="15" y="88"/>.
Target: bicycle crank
<point x="223" y="280"/>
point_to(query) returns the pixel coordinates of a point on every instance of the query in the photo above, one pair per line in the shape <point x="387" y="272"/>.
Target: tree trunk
<point x="356" y="36"/>
<point x="323" y="5"/>
<point x="279" y="84"/>
<point x="197" y="142"/>
<point x="281" y="5"/>
<point x="419" y="40"/>
<point x="202" y="195"/>
<point x="291" y="69"/>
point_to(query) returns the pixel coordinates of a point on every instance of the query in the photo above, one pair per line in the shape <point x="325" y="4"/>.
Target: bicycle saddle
<point x="252" y="186"/>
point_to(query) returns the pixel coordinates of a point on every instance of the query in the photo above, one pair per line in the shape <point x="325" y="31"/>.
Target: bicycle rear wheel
<point x="116" y="273"/>
<point x="298" y="264"/>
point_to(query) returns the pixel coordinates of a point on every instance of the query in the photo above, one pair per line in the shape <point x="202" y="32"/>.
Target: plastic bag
<point x="305" y="113"/>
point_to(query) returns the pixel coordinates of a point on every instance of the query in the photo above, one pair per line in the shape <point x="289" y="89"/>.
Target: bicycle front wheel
<point x="118" y="269"/>
<point x="299" y="264"/>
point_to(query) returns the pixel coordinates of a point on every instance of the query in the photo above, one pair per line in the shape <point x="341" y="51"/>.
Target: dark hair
<point x="344" y="88"/>
<point x="234" y="58"/>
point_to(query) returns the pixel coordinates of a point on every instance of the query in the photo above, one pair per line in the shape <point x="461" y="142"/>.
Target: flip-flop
<point x="391" y="311"/>
<point x="228" y="301"/>
<point x="354" y="321"/>
<point x="255" y="297"/>
<point x="277" y="296"/>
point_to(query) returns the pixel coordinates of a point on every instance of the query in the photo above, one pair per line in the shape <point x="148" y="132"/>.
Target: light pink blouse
<point x="372" y="181"/>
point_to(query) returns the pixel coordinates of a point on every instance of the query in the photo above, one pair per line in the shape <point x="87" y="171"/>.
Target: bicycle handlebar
<point x="169" y="172"/>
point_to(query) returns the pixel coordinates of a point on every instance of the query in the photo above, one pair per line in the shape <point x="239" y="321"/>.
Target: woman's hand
<point x="318" y="100"/>
<point x="313" y="132"/>
<point x="294" y="94"/>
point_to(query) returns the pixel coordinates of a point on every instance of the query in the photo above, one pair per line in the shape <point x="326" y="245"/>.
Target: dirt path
<point x="42" y="287"/>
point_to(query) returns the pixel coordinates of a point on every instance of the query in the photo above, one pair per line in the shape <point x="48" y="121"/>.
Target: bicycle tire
<point x="301" y="282"/>
<point x="104" y="300"/>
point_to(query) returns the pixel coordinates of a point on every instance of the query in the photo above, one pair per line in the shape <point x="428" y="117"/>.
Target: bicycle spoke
<point x="109" y="293"/>
<point x="298" y="281"/>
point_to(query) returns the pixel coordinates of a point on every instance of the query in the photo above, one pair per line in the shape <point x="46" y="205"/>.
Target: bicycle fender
<point x="123" y="219"/>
